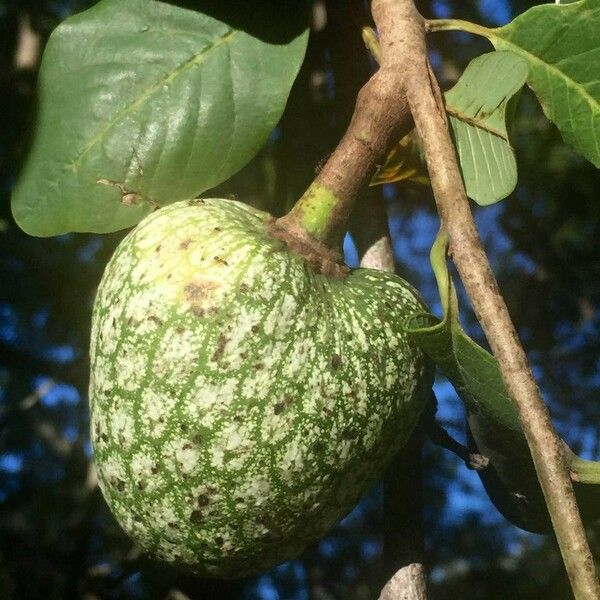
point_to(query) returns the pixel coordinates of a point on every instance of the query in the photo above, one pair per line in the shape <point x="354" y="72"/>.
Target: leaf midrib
<point x="476" y="122"/>
<point x="198" y="58"/>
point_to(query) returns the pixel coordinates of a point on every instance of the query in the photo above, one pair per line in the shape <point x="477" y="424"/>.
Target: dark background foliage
<point x="57" y="539"/>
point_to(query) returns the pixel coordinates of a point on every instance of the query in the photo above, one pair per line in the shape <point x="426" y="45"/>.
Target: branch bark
<point x="467" y="252"/>
<point x="318" y="221"/>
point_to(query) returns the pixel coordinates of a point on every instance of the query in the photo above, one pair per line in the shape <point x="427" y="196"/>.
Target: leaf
<point x="476" y="106"/>
<point x="473" y="371"/>
<point x="142" y="103"/>
<point x="494" y="427"/>
<point x="561" y="44"/>
<point x="403" y="163"/>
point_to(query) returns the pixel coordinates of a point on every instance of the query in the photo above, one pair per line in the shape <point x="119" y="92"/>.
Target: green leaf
<point x="494" y="427"/>
<point x="476" y="106"/>
<point x="142" y="104"/>
<point x="561" y="44"/>
<point x="473" y="371"/>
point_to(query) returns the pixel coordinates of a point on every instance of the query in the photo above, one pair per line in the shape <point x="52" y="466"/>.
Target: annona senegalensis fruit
<point x="241" y="402"/>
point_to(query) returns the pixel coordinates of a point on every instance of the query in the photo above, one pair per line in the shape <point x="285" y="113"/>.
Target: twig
<point x="440" y="437"/>
<point x="27" y="54"/>
<point x="406" y="584"/>
<point x="471" y="261"/>
<point x="381" y="117"/>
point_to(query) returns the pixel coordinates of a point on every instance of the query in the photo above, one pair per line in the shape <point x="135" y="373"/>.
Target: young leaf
<point x="561" y="44"/>
<point x="476" y="107"/>
<point x="142" y="103"/>
<point x="403" y="163"/>
<point x="494" y="427"/>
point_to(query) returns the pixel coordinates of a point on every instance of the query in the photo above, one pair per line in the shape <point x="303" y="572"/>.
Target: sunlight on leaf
<point x="561" y="44"/>
<point x="142" y="104"/>
<point x="476" y="106"/>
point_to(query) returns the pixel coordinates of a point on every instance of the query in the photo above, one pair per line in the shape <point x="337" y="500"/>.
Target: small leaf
<point x="404" y="163"/>
<point x="476" y="106"/>
<point x="142" y="103"/>
<point x="561" y="44"/>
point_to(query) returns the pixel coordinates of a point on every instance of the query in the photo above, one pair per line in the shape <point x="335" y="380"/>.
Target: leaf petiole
<point x="433" y="25"/>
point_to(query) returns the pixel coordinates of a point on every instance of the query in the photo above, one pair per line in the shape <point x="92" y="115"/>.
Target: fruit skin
<point x="241" y="403"/>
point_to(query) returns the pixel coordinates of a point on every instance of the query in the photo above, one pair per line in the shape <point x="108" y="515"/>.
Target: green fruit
<point x="242" y="402"/>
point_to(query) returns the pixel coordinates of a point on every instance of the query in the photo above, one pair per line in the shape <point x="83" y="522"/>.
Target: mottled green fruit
<point x="241" y="402"/>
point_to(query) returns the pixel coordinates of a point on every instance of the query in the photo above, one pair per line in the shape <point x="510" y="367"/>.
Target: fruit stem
<point x="433" y="25"/>
<point x="314" y="212"/>
<point x="381" y="117"/>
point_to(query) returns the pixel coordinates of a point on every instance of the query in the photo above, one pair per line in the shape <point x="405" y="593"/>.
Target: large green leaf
<point x="141" y="104"/>
<point x="494" y="426"/>
<point x="477" y="109"/>
<point x="561" y="43"/>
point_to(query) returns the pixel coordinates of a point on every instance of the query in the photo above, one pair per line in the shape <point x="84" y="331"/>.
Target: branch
<point x="27" y="54"/>
<point x="315" y="226"/>
<point x="467" y="252"/>
<point x="407" y="583"/>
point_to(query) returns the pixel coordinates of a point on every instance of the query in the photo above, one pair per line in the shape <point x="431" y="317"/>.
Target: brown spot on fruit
<point x="196" y="516"/>
<point x="199" y="293"/>
<point x="336" y="361"/>
<point x="185" y="244"/>
<point x="218" y="353"/>
<point x="196" y="290"/>
<point x="203" y="500"/>
<point x="244" y="287"/>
